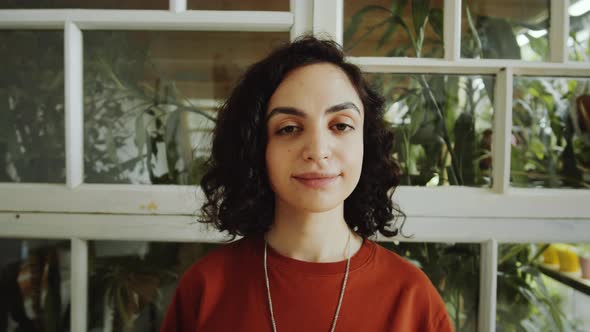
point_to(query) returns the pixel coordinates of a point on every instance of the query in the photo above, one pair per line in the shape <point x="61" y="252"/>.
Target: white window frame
<point x="83" y="212"/>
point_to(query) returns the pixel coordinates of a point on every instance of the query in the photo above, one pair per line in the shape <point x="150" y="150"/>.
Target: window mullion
<point x="302" y="11"/>
<point x="79" y="285"/>
<point x="559" y="30"/>
<point x="452" y="30"/>
<point x="328" y="19"/>
<point x="177" y="6"/>
<point x="488" y="286"/>
<point x="74" y="118"/>
<point x="502" y="131"/>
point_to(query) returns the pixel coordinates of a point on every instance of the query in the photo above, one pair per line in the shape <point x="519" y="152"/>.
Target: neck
<point x="312" y="236"/>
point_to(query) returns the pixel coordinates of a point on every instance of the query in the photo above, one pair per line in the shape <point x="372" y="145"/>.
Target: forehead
<point x="315" y="86"/>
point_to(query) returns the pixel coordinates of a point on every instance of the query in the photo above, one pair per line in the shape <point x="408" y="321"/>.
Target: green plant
<point x="444" y="128"/>
<point x="118" y="94"/>
<point x="124" y="288"/>
<point x="453" y="269"/>
<point x="32" y="133"/>
<point x="438" y="142"/>
<point x="525" y="302"/>
<point x="549" y="149"/>
<point x="120" y="106"/>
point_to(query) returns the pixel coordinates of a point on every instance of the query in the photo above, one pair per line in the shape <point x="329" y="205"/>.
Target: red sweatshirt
<point x="226" y="291"/>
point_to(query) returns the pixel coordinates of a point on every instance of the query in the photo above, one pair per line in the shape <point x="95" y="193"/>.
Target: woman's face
<point x="315" y="138"/>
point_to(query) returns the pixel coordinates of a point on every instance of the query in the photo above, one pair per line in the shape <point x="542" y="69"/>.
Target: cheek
<point x="354" y="154"/>
<point x="275" y="158"/>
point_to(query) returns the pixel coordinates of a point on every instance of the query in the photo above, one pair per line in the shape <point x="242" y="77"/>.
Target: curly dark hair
<point x="238" y="196"/>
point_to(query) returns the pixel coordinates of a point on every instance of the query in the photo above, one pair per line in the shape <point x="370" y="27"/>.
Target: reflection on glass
<point x="271" y="5"/>
<point x="84" y="4"/>
<point x="150" y="100"/>
<point x="131" y="283"/>
<point x="579" y="38"/>
<point x="532" y="288"/>
<point x="510" y="29"/>
<point x="551" y="133"/>
<point x="454" y="270"/>
<point x="393" y="28"/>
<point x="32" y="145"/>
<point x="442" y="125"/>
<point x="35" y="285"/>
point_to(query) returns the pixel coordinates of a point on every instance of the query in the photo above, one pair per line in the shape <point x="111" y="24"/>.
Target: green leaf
<point x="140" y="133"/>
<point x="397" y="6"/>
<point x="417" y="114"/>
<point x="473" y="30"/>
<point x="420" y="10"/>
<point x="171" y="126"/>
<point x="537" y="147"/>
<point x="369" y="31"/>
<point x="497" y="39"/>
<point x="357" y="18"/>
<point x="539" y="45"/>
<point x="401" y="22"/>
<point x="387" y="34"/>
<point x="465" y="147"/>
<point x="436" y="21"/>
<point x="111" y="146"/>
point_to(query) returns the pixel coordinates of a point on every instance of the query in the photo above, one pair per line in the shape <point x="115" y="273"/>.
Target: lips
<point x="316" y="180"/>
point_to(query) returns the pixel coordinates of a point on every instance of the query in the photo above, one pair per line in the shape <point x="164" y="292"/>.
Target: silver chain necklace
<point x="272" y="316"/>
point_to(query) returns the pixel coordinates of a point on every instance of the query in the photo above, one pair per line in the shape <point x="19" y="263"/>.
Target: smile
<point x="317" y="183"/>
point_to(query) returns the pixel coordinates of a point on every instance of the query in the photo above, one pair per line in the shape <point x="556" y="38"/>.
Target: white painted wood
<point x="469" y="66"/>
<point x="177" y="6"/>
<point x="302" y="11"/>
<point x="186" y="229"/>
<point x="98" y="198"/>
<point x="484" y="203"/>
<point x="488" y="279"/>
<point x="452" y="29"/>
<point x="186" y="200"/>
<point x="107" y="227"/>
<point x="79" y="285"/>
<point x="212" y="20"/>
<point x="74" y="112"/>
<point x="502" y="131"/>
<point x="559" y="30"/>
<point x="508" y="230"/>
<point x="328" y="19"/>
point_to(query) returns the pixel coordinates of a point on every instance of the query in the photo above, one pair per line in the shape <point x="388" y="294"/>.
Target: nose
<point x="317" y="146"/>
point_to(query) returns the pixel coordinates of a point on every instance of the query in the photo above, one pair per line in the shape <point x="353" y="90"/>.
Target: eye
<point x="343" y="127"/>
<point x="288" y="130"/>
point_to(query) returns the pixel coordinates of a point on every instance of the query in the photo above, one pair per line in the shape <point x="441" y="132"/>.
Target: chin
<point x="318" y="205"/>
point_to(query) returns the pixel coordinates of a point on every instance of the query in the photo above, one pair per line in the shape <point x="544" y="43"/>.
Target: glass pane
<point x="84" y="4"/>
<point x="272" y="5"/>
<point x="393" y="28"/>
<point x="131" y="283"/>
<point x="579" y="39"/>
<point x="32" y="144"/>
<point x="551" y="133"/>
<point x="454" y="270"/>
<point x="506" y="29"/>
<point x="442" y="125"/>
<point x="541" y="288"/>
<point x="150" y="99"/>
<point x="35" y="285"/>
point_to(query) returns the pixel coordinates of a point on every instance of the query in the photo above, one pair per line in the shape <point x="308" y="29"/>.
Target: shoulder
<point x="408" y="274"/>
<point x="216" y="262"/>
<point x="200" y="286"/>
<point x="412" y="285"/>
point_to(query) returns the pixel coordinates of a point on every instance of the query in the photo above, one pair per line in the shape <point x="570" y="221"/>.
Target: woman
<point x="302" y="167"/>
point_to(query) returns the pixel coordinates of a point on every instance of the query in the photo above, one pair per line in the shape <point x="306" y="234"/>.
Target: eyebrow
<point x="296" y="112"/>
